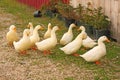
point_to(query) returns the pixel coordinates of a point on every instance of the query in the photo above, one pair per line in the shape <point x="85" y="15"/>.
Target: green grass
<point x="105" y="72"/>
<point x="69" y="78"/>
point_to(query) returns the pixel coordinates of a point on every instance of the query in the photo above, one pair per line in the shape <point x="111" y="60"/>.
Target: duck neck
<point x="83" y="31"/>
<point x="31" y="28"/>
<point x="70" y="30"/>
<point x="25" y="36"/>
<point x="79" y="37"/>
<point x="35" y="32"/>
<point x="100" y="43"/>
<point x="53" y="35"/>
<point x="49" y="29"/>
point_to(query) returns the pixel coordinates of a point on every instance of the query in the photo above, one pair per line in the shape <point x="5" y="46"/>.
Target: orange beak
<point x="28" y="26"/>
<point x="27" y="34"/>
<point x="41" y="28"/>
<point x="59" y="28"/>
<point x="15" y="29"/>
<point x="78" y="29"/>
<point x="107" y="40"/>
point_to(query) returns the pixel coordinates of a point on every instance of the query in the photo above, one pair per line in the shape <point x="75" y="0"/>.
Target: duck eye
<point x="105" y="37"/>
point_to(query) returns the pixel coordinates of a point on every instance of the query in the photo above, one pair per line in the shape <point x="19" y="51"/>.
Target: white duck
<point x="88" y="42"/>
<point x="48" y="43"/>
<point x="30" y="25"/>
<point x="72" y="47"/>
<point x="97" y="52"/>
<point x="12" y="35"/>
<point x="83" y="31"/>
<point x="24" y="43"/>
<point x="48" y="32"/>
<point x="35" y="37"/>
<point x="68" y="36"/>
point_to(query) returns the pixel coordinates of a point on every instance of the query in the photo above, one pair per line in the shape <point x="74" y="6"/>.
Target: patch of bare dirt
<point x="6" y="19"/>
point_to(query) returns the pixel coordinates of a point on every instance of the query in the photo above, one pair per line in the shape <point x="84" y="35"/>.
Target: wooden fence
<point x="111" y="9"/>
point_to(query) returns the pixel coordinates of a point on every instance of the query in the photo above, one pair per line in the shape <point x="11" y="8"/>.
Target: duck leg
<point x="97" y="62"/>
<point x="46" y="52"/>
<point x="23" y="52"/>
<point x="75" y="54"/>
<point x="34" y="48"/>
<point x="10" y="44"/>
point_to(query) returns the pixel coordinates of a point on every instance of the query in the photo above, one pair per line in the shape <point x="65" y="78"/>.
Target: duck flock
<point x="31" y="40"/>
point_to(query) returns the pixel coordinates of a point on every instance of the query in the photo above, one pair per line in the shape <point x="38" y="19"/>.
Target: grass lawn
<point x="56" y="66"/>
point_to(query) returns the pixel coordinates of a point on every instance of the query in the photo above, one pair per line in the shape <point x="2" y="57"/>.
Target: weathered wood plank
<point x="107" y="7"/>
<point x="102" y="3"/>
<point x="112" y="18"/>
<point x="118" y="32"/>
<point x="115" y="18"/>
